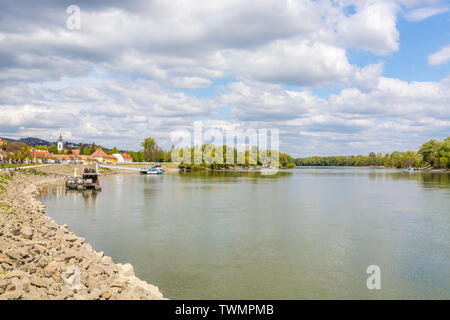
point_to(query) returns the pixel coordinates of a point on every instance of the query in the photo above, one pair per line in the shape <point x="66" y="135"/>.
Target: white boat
<point x="153" y="170"/>
<point x="268" y="170"/>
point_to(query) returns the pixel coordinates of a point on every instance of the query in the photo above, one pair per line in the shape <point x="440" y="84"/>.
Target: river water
<point x="306" y="233"/>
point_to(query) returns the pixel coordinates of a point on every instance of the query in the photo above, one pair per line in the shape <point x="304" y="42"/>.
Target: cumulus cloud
<point x="296" y="63"/>
<point x="372" y="27"/>
<point x="425" y="12"/>
<point x="440" y="57"/>
<point x="134" y="68"/>
<point x="252" y="101"/>
<point x="166" y="39"/>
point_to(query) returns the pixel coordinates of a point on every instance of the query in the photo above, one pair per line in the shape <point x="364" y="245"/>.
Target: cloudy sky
<point x="335" y="77"/>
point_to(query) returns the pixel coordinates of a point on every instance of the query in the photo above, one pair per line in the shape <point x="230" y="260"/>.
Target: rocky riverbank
<point x="40" y="259"/>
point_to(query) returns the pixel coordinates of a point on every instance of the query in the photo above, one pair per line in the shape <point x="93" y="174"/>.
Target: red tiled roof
<point x="42" y="154"/>
<point x="99" y="153"/>
<point x="76" y="152"/>
<point x="126" y="156"/>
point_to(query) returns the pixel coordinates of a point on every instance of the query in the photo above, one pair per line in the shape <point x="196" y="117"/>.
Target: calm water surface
<point x="301" y="234"/>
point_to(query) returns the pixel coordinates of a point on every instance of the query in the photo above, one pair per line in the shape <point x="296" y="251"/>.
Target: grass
<point x="34" y="172"/>
<point x="7" y="166"/>
<point x="6" y="208"/>
<point x="4" y="180"/>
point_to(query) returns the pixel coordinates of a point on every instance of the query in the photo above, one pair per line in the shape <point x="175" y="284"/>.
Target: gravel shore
<point x="40" y="259"/>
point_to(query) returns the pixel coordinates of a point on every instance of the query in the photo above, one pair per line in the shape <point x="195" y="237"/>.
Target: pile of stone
<point x="40" y="259"/>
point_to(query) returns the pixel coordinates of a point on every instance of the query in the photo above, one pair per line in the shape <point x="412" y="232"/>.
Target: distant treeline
<point x="432" y="153"/>
<point x="219" y="157"/>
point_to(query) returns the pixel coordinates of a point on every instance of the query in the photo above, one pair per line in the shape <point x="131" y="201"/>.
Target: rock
<point x="13" y="254"/>
<point x="27" y="233"/>
<point x="4" y="284"/>
<point x="106" y="295"/>
<point x="117" y="283"/>
<point x="71" y="238"/>
<point x="40" y="282"/>
<point x="64" y="294"/>
<point x="35" y="254"/>
<point x="51" y="267"/>
<point x="79" y="296"/>
<point x="13" y="295"/>
<point x="106" y="260"/>
<point x="15" y="274"/>
<point x="126" y="270"/>
<point x="70" y="254"/>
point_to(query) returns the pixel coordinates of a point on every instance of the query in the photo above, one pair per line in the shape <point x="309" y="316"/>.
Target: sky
<point x="336" y="77"/>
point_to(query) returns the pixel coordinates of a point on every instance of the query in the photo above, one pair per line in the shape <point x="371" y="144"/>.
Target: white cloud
<point x="372" y="27"/>
<point x="251" y="101"/>
<point x="439" y="57"/>
<point x="426" y="12"/>
<point x="293" y="62"/>
<point x="190" y="82"/>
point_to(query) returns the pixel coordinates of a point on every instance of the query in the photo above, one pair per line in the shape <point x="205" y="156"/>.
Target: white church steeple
<point x="60" y="143"/>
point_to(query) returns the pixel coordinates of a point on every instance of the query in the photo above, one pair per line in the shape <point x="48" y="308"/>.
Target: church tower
<point x="60" y="143"/>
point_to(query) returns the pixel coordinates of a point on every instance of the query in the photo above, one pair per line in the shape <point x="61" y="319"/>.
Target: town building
<point x="100" y="156"/>
<point x="41" y="156"/>
<point x="60" y="143"/>
<point x="122" y="158"/>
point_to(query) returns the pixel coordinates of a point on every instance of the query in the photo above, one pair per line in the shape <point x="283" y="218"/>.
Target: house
<point x="127" y="157"/>
<point x="41" y="156"/>
<point x="101" y="156"/>
<point x="121" y="158"/>
<point x="63" y="157"/>
<point x="1" y="142"/>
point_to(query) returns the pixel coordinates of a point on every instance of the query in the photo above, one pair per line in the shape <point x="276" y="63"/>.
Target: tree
<point x="113" y="151"/>
<point x="87" y="151"/>
<point x="430" y="152"/>
<point x="53" y="149"/>
<point x="152" y="152"/>
<point x="41" y="148"/>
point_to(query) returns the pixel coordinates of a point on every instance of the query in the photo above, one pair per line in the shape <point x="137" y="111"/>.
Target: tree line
<point x="212" y="156"/>
<point x="435" y="154"/>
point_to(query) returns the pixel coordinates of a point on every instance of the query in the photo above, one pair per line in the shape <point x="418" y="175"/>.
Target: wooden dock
<point x="89" y="180"/>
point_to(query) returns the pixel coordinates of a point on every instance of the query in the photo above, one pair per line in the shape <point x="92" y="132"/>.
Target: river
<point x="305" y="233"/>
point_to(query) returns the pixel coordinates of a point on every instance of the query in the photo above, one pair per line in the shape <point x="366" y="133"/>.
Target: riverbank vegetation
<point x="432" y="154"/>
<point x="209" y="156"/>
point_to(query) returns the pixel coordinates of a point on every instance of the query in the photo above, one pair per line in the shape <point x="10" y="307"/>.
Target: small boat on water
<point x="268" y="170"/>
<point x="88" y="180"/>
<point x="157" y="169"/>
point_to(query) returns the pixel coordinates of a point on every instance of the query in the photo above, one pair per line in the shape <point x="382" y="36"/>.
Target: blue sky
<point x="335" y="77"/>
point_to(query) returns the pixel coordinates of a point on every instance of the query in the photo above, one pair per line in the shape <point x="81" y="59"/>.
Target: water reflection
<point x="303" y="233"/>
<point x="59" y="192"/>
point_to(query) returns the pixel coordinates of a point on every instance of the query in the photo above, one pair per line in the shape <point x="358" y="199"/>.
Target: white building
<point x="60" y="143"/>
<point x="121" y="158"/>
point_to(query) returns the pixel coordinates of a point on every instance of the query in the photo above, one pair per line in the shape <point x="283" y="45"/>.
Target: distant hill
<point x="30" y="141"/>
<point x="35" y="142"/>
<point x="40" y="142"/>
